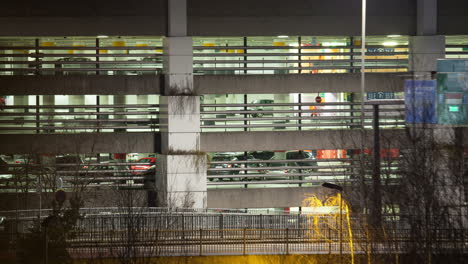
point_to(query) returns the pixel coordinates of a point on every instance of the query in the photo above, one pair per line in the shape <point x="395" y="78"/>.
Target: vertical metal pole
<point x="376" y="198"/>
<point x="351" y="53"/>
<point x="36" y="45"/>
<point x="97" y="56"/>
<point x="363" y="98"/>
<point x="245" y="56"/>
<point x="201" y="242"/>
<point x="341" y="227"/>
<point x="300" y="109"/>
<point x="299" y="41"/>
<point x="37" y="114"/>
<point x="244" y="241"/>
<point x="245" y="115"/>
<point x="287" y="241"/>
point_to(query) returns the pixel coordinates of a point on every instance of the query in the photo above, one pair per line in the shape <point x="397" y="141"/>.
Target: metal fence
<point x="46" y="119"/>
<point x="286" y="59"/>
<point x="300" y="116"/>
<point x="165" y="232"/>
<point x="41" y="59"/>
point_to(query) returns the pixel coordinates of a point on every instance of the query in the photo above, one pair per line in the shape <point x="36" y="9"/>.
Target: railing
<point x="299" y="116"/>
<point x="45" y="119"/>
<point x="294" y="172"/>
<point x="69" y="60"/>
<point x="190" y="233"/>
<point x="456" y="51"/>
<point x="31" y="177"/>
<point x="297" y="59"/>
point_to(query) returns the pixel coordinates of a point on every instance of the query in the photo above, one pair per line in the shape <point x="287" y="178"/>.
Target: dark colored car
<point x="262" y="155"/>
<point x="307" y="157"/>
<point x="223" y="157"/>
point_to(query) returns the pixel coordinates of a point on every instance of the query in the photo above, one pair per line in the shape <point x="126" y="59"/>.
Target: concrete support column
<point x="426" y="17"/>
<point x="424" y="52"/>
<point x="181" y="167"/>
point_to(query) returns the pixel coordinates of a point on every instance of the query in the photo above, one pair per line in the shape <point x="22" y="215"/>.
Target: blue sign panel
<point x="420" y="101"/>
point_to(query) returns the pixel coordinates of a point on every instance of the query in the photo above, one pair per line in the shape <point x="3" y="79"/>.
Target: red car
<point x="140" y="169"/>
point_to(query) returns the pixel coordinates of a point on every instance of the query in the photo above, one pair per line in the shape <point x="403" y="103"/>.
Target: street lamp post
<point x="340" y="192"/>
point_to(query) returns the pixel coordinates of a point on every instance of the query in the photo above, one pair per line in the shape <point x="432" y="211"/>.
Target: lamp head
<point x="332" y="186"/>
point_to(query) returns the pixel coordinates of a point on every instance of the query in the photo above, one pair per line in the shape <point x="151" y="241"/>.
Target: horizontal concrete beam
<point x="290" y="140"/>
<point x="80" y="84"/>
<point x="78" y="143"/>
<point x="298" y="83"/>
<point x="262" y="198"/>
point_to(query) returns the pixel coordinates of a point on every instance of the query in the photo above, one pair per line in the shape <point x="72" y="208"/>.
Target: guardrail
<point x="44" y="119"/>
<point x="456" y="51"/>
<point x="300" y="116"/>
<point x="172" y="233"/>
<point x="301" y="58"/>
<point x="295" y="172"/>
<point x="38" y="59"/>
<point x="26" y="178"/>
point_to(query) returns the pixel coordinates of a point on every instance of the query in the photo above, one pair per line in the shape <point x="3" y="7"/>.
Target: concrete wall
<point x="451" y="15"/>
<point x="78" y="143"/>
<point x="298" y="83"/>
<point x="204" y="84"/>
<point x="223" y="17"/>
<point x="299" y="17"/>
<point x="77" y="85"/>
<point x="83" y="18"/>
<point x="290" y="140"/>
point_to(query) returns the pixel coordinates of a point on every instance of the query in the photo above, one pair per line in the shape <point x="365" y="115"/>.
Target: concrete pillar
<point x="424" y="52"/>
<point x="426" y="17"/>
<point x="181" y="167"/>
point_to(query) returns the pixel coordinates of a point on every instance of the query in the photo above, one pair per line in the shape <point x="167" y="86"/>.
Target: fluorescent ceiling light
<point x="102" y="36"/>
<point x="282" y="36"/>
<point x="393" y="36"/>
<point x="390" y="43"/>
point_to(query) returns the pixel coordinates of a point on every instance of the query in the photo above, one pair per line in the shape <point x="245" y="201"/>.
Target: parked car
<point x="223" y="157"/>
<point x="308" y="157"/>
<point x="258" y="165"/>
<point x="141" y="169"/>
<point x="4" y="169"/>
<point x="262" y="155"/>
<point x="262" y="107"/>
<point x="277" y="168"/>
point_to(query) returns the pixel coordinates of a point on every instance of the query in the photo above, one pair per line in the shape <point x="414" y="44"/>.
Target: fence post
<point x="244" y="241"/>
<point x="329" y="240"/>
<point x="201" y="242"/>
<point x="157" y="241"/>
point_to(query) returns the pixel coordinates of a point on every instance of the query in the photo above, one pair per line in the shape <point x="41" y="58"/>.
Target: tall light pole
<point x="340" y="192"/>
<point x="363" y="100"/>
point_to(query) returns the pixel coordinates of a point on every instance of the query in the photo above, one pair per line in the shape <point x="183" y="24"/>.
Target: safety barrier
<point x="45" y="119"/>
<point x="300" y="116"/>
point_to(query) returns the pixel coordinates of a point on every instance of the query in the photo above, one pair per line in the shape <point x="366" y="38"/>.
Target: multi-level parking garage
<point x="271" y="95"/>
